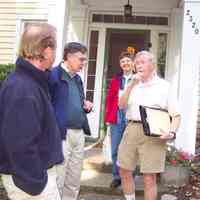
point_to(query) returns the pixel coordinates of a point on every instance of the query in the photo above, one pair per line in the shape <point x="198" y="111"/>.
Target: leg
<point x="74" y="165"/>
<point x="150" y="187"/>
<point x="115" y="140"/>
<point x="50" y="191"/>
<point x="61" y="168"/>
<point x="117" y="131"/>
<point x="127" y="159"/>
<point x="128" y="184"/>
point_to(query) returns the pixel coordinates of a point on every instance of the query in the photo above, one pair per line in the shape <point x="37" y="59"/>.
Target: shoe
<point x="115" y="183"/>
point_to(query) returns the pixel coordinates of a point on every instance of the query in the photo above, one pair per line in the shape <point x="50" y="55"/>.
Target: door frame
<point x="95" y="117"/>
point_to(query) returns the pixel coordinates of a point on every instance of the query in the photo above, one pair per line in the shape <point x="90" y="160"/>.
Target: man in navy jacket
<point x="70" y="109"/>
<point x="30" y="143"/>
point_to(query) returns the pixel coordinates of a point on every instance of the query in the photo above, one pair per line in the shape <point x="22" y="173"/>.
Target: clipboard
<point x="154" y="120"/>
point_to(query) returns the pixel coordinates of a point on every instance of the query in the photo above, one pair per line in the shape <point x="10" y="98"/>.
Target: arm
<point x="112" y="93"/>
<point x="173" y="128"/>
<point x="88" y="105"/>
<point x="22" y="131"/>
<point x="175" y="123"/>
<point x="174" y="111"/>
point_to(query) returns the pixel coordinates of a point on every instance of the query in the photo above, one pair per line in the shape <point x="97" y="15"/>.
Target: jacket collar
<point x="39" y="76"/>
<point x="61" y="72"/>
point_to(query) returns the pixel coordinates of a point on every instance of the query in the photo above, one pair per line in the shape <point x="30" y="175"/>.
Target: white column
<point x="175" y="40"/>
<point x="94" y="117"/>
<point x="189" y="75"/>
<point x="58" y="15"/>
<point x="154" y="42"/>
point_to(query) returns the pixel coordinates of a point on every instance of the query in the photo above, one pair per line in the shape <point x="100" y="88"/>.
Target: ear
<point x="69" y="55"/>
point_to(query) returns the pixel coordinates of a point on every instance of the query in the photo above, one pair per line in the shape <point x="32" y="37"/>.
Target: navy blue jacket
<point x="30" y="140"/>
<point x="59" y="96"/>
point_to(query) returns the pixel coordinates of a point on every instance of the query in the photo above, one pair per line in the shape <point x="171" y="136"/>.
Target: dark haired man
<point x="70" y="108"/>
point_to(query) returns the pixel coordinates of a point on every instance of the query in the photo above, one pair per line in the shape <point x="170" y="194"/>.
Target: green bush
<point x="5" y="69"/>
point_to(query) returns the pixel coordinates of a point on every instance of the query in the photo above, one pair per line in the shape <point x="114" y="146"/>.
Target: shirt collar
<point x="129" y="76"/>
<point x="65" y="68"/>
<point x="154" y="80"/>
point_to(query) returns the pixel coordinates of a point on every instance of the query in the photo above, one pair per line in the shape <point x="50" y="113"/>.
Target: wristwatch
<point x="174" y="133"/>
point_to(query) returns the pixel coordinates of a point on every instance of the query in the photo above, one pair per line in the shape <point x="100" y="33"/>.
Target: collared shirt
<point x="155" y="93"/>
<point x="67" y="70"/>
<point x="125" y="80"/>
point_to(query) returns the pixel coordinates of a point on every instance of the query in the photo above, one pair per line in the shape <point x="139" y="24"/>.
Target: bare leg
<point x="128" y="184"/>
<point x="150" y="187"/>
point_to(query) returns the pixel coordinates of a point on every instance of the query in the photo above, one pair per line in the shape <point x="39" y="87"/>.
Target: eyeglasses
<point x="81" y="58"/>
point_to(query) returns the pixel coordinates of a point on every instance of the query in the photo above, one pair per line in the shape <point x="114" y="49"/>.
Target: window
<point x="162" y="53"/>
<point x="94" y="37"/>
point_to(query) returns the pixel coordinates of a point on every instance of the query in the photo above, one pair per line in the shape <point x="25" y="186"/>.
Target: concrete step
<point x="96" y="176"/>
<point x="94" y="160"/>
<point x="98" y="182"/>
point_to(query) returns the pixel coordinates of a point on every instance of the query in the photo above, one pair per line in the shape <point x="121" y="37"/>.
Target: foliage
<point x="177" y="157"/>
<point x="5" y="69"/>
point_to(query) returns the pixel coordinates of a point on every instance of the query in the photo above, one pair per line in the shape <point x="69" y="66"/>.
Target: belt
<point x="135" y="121"/>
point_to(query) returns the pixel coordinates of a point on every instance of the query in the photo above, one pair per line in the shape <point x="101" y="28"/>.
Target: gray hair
<point x="147" y="54"/>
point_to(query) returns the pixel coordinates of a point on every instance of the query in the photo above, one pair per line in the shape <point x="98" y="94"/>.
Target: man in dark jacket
<point x="30" y="143"/>
<point x="70" y="109"/>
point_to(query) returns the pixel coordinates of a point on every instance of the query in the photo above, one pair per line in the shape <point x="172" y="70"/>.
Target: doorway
<point x="118" y="40"/>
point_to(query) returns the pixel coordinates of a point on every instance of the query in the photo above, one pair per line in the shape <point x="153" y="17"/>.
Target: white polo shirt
<point x="156" y="93"/>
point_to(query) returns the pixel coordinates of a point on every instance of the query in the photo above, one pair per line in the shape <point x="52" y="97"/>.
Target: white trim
<point x="129" y="26"/>
<point x="189" y="80"/>
<point x="58" y="16"/>
<point x="102" y="27"/>
<point x="94" y="117"/>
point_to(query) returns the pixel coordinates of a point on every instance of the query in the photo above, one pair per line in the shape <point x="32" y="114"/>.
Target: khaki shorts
<point x="136" y="148"/>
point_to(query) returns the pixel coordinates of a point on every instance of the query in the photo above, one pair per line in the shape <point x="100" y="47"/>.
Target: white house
<point x="170" y="29"/>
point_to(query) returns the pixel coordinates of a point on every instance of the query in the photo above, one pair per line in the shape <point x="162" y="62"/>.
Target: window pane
<point x="92" y="67"/>
<point x="93" y="52"/>
<point x="162" y="50"/>
<point x="90" y="82"/>
<point x="97" y="18"/>
<point x="90" y="95"/>
<point x="94" y="37"/>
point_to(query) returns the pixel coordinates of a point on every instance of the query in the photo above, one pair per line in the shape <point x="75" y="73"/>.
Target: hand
<point x="167" y="136"/>
<point x="135" y="80"/>
<point x="88" y="105"/>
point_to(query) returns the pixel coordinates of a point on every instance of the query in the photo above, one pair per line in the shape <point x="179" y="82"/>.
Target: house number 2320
<point x="194" y="24"/>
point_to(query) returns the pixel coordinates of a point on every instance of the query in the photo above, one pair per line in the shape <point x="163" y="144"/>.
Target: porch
<point x="169" y="29"/>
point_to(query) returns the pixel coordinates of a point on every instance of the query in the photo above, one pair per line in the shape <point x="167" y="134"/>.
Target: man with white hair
<point x="146" y="89"/>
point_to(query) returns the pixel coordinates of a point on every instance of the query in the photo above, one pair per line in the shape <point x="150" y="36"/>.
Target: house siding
<point x="12" y="13"/>
<point x="7" y="30"/>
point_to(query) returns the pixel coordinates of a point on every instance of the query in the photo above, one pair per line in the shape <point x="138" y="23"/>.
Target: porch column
<point x="58" y="15"/>
<point x="189" y="75"/>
